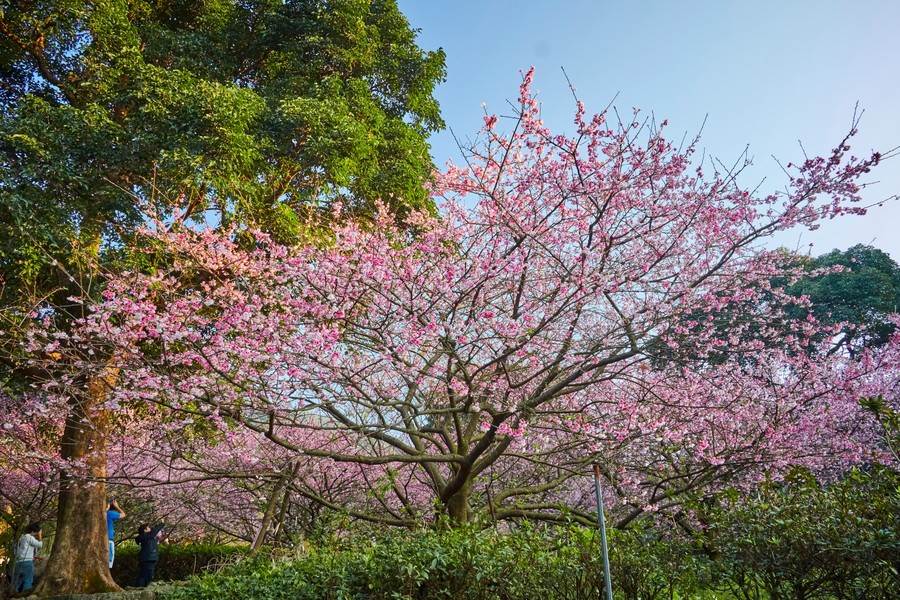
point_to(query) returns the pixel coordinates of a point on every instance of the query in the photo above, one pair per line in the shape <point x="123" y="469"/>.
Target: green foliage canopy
<point x="862" y="294"/>
<point x="258" y="111"/>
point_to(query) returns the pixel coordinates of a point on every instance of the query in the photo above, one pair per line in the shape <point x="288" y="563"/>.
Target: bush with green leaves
<point x="177" y="561"/>
<point x="467" y="564"/>
<point x="802" y="540"/>
<point x="797" y="539"/>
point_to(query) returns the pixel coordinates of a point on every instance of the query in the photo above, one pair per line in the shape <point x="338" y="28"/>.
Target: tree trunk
<point x="279" y="527"/>
<point x="79" y="561"/>
<point x="270" y="506"/>
<point x="458" y="505"/>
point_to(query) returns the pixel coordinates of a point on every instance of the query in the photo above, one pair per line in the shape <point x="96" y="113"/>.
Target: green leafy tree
<point x="862" y="294"/>
<point x="262" y="112"/>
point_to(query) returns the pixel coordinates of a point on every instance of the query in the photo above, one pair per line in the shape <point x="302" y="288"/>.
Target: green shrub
<point x="465" y="564"/>
<point x="792" y="540"/>
<point x="800" y="539"/>
<point x="176" y="561"/>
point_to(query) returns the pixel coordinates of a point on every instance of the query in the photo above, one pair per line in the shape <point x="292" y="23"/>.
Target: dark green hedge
<point x="176" y="561"/>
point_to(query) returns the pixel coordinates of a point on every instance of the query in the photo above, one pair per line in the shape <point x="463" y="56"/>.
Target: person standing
<point x="148" y="539"/>
<point x="113" y="513"/>
<point x="28" y="545"/>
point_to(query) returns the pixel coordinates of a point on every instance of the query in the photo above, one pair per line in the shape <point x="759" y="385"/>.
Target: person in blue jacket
<point x="148" y="539"/>
<point x="113" y="513"/>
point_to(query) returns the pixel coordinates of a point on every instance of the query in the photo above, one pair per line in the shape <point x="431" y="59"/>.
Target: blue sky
<point x="767" y="73"/>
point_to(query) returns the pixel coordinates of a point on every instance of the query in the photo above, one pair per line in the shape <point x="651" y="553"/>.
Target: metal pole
<point x="601" y="520"/>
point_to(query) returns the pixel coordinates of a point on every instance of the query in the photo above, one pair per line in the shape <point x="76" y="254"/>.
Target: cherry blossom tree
<point x="566" y="307"/>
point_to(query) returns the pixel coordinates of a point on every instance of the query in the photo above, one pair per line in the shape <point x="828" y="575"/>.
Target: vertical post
<point x="601" y="520"/>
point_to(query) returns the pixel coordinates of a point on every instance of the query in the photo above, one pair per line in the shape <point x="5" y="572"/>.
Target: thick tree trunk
<point x="458" y="505"/>
<point x="79" y="561"/>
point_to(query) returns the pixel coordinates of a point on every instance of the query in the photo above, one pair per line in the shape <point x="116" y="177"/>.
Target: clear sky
<point x="767" y="73"/>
